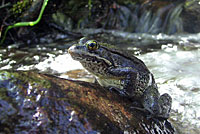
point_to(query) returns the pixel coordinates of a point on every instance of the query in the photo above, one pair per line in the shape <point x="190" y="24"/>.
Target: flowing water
<point x="152" y="21"/>
<point x="175" y="67"/>
<point x="177" y="72"/>
<point x="173" y="59"/>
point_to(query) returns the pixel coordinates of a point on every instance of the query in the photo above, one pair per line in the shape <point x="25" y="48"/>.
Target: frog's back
<point x="135" y="62"/>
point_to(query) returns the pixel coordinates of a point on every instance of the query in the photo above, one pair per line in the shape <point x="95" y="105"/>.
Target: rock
<point x="190" y="17"/>
<point x="37" y="103"/>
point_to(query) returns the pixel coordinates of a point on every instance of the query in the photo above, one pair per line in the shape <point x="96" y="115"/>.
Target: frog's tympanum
<point x="124" y="72"/>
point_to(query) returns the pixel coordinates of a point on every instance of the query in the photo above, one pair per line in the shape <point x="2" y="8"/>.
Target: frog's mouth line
<point x="92" y="59"/>
<point x="88" y="57"/>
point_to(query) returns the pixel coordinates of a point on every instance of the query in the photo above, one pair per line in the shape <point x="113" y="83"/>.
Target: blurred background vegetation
<point x="136" y="16"/>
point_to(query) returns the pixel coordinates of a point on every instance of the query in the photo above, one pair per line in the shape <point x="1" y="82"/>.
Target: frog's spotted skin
<point x="122" y="71"/>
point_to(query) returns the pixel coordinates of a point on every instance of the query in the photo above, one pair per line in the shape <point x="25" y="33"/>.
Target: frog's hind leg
<point x="165" y="102"/>
<point x="150" y="100"/>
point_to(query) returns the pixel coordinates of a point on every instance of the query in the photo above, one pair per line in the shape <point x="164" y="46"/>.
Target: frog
<point x="122" y="71"/>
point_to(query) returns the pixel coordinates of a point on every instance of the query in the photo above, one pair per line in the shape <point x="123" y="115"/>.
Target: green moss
<point x="25" y="78"/>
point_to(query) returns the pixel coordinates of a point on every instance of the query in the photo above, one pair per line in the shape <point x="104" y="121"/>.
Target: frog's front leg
<point x="132" y="82"/>
<point x="127" y="78"/>
<point x="158" y="106"/>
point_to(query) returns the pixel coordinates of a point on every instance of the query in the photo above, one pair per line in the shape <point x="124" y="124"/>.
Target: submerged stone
<point x="37" y="103"/>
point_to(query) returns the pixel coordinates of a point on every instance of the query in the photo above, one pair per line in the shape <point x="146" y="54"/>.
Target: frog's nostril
<point x="71" y="49"/>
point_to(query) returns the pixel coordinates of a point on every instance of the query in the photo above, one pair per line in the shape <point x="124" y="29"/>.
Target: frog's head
<point x="91" y="54"/>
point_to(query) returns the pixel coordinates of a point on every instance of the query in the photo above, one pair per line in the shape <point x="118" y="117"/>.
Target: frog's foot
<point x="144" y="111"/>
<point x="162" y="109"/>
<point x="147" y="114"/>
<point x="165" y="102"/>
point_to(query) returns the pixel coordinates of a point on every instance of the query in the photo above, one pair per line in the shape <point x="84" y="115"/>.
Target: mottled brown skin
<point x="124" y="72"/>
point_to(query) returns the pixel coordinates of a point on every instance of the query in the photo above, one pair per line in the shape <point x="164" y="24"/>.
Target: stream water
<point x="177" y="72"/>
<point x="173" y="59"/>
<point x="175" y="67"/>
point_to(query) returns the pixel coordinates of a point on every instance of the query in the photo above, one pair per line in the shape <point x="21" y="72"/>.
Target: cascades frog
<point x="124" y="72"/>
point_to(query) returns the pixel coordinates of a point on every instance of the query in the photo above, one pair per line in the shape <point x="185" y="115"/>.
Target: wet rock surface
<point x="190" y="17"/>
<point x="37" y="103"/>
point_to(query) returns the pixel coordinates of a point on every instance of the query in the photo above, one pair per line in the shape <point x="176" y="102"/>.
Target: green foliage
<point x="20" y="24"/>
<point x="21" y="6"/>
<point x="90" y="6"/>
<point x="189" y="3"/>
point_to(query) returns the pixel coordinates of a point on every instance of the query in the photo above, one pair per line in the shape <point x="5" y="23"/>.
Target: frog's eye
<point x="92" y="45"/>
